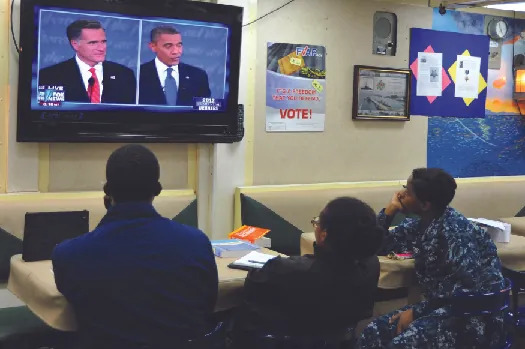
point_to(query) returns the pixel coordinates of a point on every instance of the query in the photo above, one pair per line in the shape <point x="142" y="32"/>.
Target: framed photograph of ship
<point x="381" y="93"/>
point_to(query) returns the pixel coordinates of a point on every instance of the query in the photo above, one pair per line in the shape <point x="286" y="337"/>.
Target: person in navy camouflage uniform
<point x="452" y="255"/>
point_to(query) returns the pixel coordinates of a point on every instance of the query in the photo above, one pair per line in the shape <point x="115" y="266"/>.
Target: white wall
<point x="221" y="169"/>
<point x="347" y="150"/>
<point x="22" y="159"/>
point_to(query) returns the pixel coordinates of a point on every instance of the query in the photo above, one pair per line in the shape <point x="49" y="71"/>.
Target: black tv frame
<point x="127" y="126"/>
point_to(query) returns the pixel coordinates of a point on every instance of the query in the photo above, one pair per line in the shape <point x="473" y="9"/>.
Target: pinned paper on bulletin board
<point x="467" y="77"/>
<point x="459" y="89"/>
<point x="295" y="88"/>
<point x="429" y="80"/>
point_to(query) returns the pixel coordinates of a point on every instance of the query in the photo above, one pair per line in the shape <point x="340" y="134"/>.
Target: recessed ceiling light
<point x="517" y="6"/>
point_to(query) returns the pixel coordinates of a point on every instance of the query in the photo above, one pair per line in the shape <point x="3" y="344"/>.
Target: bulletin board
<point x="450" y="45"/>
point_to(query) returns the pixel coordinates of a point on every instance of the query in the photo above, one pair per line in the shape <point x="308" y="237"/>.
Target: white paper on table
<point x="498" y="231"/>
<point x="429" y="74"/>
<point x="488" y="222"/>
<point x="254" y="259"/>
<point x="263" y="241"/>
<point x="467" y="76"/>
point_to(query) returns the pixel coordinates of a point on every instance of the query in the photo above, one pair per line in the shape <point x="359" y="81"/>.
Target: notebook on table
<point x="44" y="230"/>
<point x="253" y="260"/>
<point x="232" y="248"/>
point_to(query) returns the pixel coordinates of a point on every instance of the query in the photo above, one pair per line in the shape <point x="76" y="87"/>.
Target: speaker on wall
<point x="385" y="34"/>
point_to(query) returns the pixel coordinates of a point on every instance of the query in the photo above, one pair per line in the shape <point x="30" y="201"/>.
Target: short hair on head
<point x="74" y="30"/>
<point x="162" y="29"/>
<point x="434" y="185"/>
<point x="132" y="174"/>
<point x="351" y="228"/>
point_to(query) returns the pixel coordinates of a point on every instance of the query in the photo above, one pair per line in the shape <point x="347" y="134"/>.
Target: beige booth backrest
<point x="491" y="200"/>
<point x="297" y="204"/>
<point x="13" y="207"/>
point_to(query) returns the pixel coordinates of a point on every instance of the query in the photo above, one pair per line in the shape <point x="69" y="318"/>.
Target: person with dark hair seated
<point x="323" y="293"/>
<point x="138" y="280"/>
<point x="452" y="255"/>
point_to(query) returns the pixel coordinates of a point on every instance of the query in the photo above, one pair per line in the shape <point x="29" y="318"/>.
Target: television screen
<point x="159" y="71"/>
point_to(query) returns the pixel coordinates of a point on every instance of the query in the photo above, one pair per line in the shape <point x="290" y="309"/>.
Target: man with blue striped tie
<point x="166" y="80"/>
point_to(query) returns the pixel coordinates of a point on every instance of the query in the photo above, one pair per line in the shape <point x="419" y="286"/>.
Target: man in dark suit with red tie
<point x="88" y="77"/>
<point x="166" y="80"/>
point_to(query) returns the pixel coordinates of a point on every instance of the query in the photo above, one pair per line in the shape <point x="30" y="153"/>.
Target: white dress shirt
<point x="86" y="74"/>
<point x="162" y="71"/>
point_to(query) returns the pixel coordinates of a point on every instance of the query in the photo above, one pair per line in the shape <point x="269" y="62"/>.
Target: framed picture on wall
<point x="381" y="93"/>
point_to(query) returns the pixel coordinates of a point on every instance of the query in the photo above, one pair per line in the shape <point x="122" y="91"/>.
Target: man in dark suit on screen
<point x="88" y="77"/>
<point x="165" y="80"/>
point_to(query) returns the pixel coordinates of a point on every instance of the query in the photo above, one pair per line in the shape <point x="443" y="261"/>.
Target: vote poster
<point x="295" y="88"/>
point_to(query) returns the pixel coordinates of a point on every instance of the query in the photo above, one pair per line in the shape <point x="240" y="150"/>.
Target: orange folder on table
<point x="248" y="233"/>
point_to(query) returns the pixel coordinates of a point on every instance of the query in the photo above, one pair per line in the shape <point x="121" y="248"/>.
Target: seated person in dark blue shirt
<point x="138" y="280"/>
<point x="320" y="294"/>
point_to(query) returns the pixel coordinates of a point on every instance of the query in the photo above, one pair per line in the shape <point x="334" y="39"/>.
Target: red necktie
<point x="93" y="87"/>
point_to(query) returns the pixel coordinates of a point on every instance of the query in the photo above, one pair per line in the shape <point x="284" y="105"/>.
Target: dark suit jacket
<point x="119" y="82"/>
<point x="193" y="82"/>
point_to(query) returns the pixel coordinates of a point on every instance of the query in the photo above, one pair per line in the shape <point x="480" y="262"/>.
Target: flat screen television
<point x="129" y="71"/>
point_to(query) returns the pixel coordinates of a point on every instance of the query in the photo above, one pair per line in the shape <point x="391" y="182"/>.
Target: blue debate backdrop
<point x="450" y="45"/>
<point x="122" y="35"/>
<point x="205" y="44"/>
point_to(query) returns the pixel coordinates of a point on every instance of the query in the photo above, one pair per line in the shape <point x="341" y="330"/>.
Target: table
<point x="397" y="274"/>
<point x="34" y="284"/>
<point x="517" y="225"/>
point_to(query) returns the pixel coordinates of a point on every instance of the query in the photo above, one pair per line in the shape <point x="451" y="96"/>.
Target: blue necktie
<point x="170" y="88"/>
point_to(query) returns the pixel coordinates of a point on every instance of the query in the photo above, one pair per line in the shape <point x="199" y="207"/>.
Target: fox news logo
<point x="51" y="96"/>
<point x="307" y="51"/>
